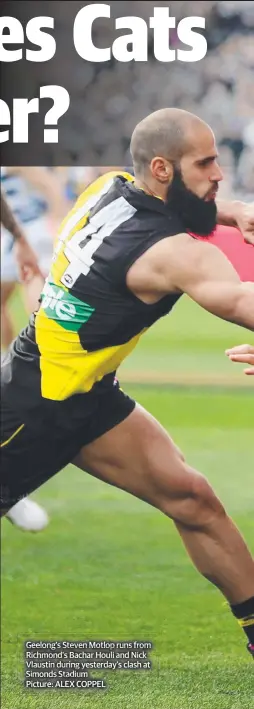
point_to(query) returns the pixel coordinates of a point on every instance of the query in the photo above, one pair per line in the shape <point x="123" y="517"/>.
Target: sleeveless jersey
<point x="88" y="320"/>
<point x="25" y="203"/>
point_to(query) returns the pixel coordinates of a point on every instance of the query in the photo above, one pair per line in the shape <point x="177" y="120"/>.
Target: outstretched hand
<point x="245" y="221"/>
<point x="242" y="353"/>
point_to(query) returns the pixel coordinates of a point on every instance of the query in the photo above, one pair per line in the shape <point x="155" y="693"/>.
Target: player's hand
<point x="245" y="220"/>
<point x="242" y="353"/>
<point x="26" y="260"/>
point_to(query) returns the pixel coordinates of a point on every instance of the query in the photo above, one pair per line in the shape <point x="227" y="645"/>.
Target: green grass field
<point x="110" y="567"/>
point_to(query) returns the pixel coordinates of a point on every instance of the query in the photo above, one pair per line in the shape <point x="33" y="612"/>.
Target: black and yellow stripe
<point x="247" y="621"/>
<point x="5" y="443"/>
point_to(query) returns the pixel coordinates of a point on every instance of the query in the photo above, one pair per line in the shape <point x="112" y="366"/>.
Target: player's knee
<point x="205" y="505"/>
<point x="195" y="504"/>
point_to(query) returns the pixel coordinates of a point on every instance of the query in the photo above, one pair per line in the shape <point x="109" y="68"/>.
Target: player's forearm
<point x="228" y="211"/>
<point x="244" y="307"/>
<point x="235" y="303"/>
<point x="231" y="301"/>
<point x="9" y="222"/>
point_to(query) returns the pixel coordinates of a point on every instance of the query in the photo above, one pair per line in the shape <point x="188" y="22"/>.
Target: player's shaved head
<point x="167" y="133"/>
<point x="175" y="158"/>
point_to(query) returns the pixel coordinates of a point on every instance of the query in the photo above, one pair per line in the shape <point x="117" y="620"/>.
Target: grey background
<point x="107" y="100"/>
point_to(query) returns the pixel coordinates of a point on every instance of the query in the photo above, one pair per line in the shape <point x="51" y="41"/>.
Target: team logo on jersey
<point x="68" y="311"/>
<point x="67" y="279"/>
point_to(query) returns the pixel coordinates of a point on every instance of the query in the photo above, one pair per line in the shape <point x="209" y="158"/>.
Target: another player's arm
<point x="9" y="221"/>
<point x="181" y="264"/>
<point x="237" y="214"/>
<point x="25" y="256"/>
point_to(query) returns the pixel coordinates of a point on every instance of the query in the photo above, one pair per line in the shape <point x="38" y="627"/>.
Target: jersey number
<point x="81" y="248"/>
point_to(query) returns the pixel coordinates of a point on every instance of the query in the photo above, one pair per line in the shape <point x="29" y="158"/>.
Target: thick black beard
<point x="198" y="216"/>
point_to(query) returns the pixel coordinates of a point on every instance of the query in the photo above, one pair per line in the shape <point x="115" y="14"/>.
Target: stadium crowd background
<point x="220" y="88"/>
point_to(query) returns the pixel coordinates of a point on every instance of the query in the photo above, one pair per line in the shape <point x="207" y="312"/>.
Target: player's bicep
<point x="182" y="264"/>
<point x="203" y="272"/>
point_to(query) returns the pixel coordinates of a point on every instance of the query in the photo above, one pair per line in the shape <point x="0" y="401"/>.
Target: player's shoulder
<point x="90" y="196"/>
<point x="101" y="184"/>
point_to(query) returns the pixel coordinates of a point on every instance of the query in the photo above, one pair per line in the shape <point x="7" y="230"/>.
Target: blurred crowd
<point x="108" y="99"/>
<point x="220" y="88"/>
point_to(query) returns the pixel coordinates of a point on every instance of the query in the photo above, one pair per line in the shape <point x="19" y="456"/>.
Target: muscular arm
<point x="181" y="264"/>
<point x="26" y="259"/>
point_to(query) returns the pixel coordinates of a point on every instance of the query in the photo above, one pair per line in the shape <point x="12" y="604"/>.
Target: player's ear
<point x="162" y="170"/>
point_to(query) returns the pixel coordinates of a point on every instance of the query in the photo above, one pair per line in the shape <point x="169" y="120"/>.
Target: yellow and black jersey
<point x="88" y="320"/>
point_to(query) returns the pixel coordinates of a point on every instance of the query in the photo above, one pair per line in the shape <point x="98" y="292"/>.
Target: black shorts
<point x="31" y="454"/>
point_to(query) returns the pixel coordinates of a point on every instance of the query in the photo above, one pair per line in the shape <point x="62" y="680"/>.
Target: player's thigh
<point x="30" y="455"/>
<point x="139" y="456"/>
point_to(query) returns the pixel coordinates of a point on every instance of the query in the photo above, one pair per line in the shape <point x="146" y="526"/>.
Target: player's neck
<point x="141" y="185"/>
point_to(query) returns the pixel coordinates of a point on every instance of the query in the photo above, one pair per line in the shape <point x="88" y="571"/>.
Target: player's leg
<point x="30" y="455"/>
<point x="139" y="457"/>
<point x="19" y="510"/>
<point x="25" y="514"/>
<point x="28" y="515"/>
